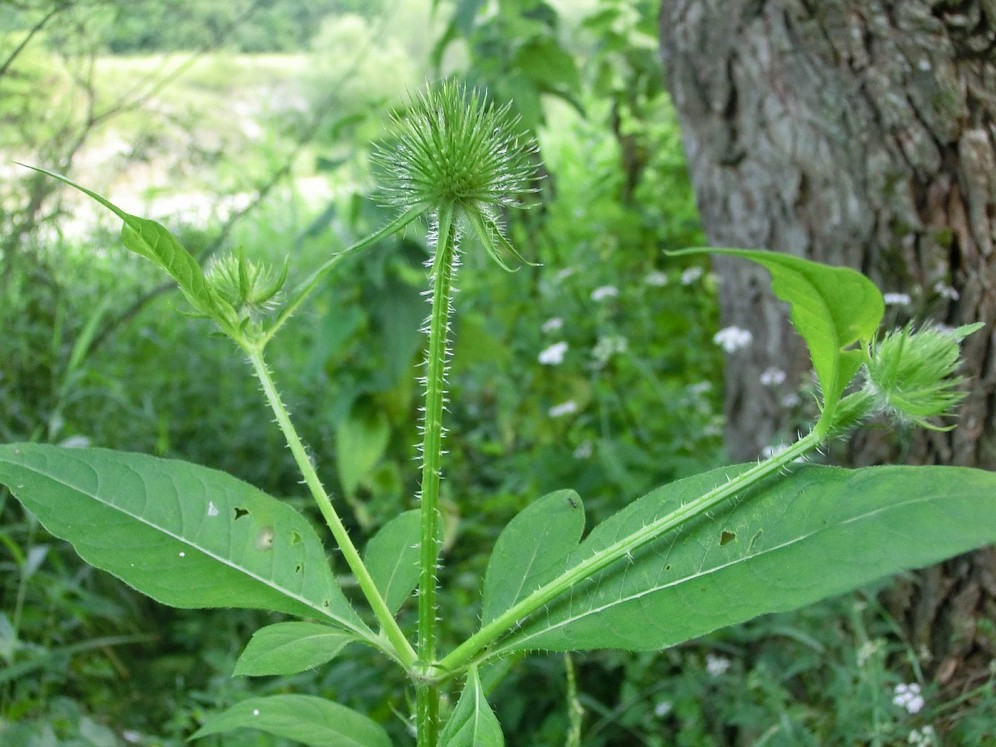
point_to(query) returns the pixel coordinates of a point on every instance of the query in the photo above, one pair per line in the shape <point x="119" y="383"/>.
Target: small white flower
<point x="553" y="355"/>
<point x="607" y="346"/>
<point x="925" y="737"/>
<point x="662" y="709"/>
<point x="774" y="450"/>
<point x="772" y="377"/>
<point x="732" y="339"/>
<point x="691" y="274"/>
<point x="603" y="292"/>
<point x="553" y="324"/>
<point x="896" y="299"/>
<point x="946" y="291"/>
<point x="791" y="400"/>
<point x="584" y="450"/>
<point x="868" y="650"/>
<point x="564" y="408"/>
<point x="908" y="696"/>
<point x="716" y="666"/>
<point x="656" y="278"/>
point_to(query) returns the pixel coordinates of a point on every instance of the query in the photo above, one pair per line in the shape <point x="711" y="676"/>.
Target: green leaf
<point x="790" y="541"/>
<point x="289" y="648"/>
<point x="472" y="723"/>
<point x="185" y="535"/>
<point x="361" y="440"/>
<point x="831" y="307"/>
<point x="303" y="718"/>
<point x="392" y="555"/>
<point x="550" y="67"/>
<point x="532" y="550"/>
<point x="154" y="242"/>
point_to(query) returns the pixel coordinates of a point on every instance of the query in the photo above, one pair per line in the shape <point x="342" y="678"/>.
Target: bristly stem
<point x="399" y="644"/>
<point x="470" y="650"/>
<point x="443" y="267"/>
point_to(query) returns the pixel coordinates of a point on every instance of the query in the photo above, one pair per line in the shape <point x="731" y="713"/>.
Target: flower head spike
<point x="454" y="152"/>
<point x="912" y="372"/>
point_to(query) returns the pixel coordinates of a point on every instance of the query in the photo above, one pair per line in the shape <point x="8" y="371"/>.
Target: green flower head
<point x="912" y="372"/>
<point x="247" y="288"/>
<point x="454" y="152"/>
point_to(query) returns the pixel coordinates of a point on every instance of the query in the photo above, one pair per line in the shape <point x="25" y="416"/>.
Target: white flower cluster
<point x="564" y="408"/>
<point x="772" y="377"/>
<point x="607" y="346"/>
<point x="553" y="355"/>
<point x="553" y="324"/>
<point x="604" y="292"/>
<point x="691" y="274"/>
<point x="732" y="339"/>
<point x="655" y="278"/>
<point x="716" y="666"/>
<point x="896" y="299"/>
<point x="925" y="737"/>
<point x="907" y="695"/>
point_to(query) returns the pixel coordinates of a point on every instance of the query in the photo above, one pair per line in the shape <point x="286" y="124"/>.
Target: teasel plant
<point x="775" y="535"/>
<point x="459" y="161"/>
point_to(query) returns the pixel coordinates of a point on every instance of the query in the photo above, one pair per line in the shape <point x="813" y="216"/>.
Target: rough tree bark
<point x="862" y="133"/>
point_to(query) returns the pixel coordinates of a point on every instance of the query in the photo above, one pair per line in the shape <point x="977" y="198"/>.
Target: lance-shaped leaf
<point x="391" y="556"/>
<point x="790" y="541"/>
<point x="185" y="535"/>
<point x="472" y="723"/>
<point x="290" y="647"/>
<point x="304" y="718"/>
<point x="531" y="550"/>
<point x="154" y="242"/>
<point x="831" y="307"/>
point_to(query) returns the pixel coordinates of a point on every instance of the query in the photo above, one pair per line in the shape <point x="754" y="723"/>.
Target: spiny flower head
<point x="912" y="372"/>
<point x="453" y="151"/>
<point x="245" y="286"/>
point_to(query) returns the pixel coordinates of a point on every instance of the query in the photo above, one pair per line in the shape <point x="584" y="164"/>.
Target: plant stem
<point x="427" y="691"/>
<point x="402" y="648"/>
<point x="466" y="652"/>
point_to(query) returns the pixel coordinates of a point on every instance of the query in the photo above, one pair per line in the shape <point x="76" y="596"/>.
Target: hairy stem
<point x="427" y="692"/>
<point x="402" y="649"/>
<point x="470" y="649"/>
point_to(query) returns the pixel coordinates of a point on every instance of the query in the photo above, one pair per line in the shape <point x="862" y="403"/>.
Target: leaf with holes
<point x="185" y="535"/>
<point x="531" y="550"/>
<point x="787" y="542"/>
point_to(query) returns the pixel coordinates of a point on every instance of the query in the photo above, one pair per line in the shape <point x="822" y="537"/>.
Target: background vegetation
<point x="246" y="126"/>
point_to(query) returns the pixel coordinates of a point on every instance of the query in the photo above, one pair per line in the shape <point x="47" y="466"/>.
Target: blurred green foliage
<point x="594" y="371"/>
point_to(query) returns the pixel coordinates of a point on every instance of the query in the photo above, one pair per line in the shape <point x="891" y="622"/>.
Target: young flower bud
<point x="911" y="373"/>
<point x="245" y="286"/>
<point x="454" y="152"/>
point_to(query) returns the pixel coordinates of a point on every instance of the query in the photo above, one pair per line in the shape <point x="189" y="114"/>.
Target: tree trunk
<point x="860" y="133"/>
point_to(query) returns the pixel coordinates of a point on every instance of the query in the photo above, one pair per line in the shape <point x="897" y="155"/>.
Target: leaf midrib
<point x="214" y="556"/>
<point x="516" y="643"/>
